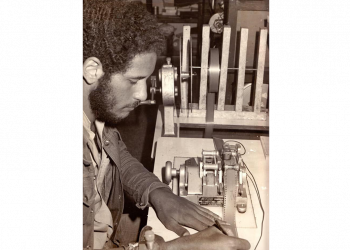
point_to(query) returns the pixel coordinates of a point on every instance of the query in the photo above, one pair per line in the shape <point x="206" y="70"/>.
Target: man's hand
<point x="174" y="211"/>
<point x="208" y="239"/>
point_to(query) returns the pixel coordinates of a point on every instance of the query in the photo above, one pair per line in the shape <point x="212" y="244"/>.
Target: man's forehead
<point x="141" y="66"/>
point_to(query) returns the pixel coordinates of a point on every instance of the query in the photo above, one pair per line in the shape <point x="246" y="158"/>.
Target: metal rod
<point x="197" y="67"/>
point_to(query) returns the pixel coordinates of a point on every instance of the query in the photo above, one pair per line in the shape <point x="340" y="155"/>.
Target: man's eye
<point x="133" y="81"/>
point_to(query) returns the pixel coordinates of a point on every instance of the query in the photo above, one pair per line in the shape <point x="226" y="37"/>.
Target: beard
<point x="102" y="101"/>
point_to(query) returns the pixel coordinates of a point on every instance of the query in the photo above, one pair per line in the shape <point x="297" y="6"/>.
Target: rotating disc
<point x="191" y="72"/>
<point x="167" y="76"/>
<point x="180" y="50"/>
<point x="214" y="70"/>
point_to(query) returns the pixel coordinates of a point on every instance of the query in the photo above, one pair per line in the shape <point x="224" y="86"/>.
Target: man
<point x="121" y="44"/>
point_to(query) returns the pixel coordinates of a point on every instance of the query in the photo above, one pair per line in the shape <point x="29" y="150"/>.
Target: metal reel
<point x="168" y="77"/>
<point x="216" y="23"/>
<point x="214" y="70"/>
<point x="187" y="73"/>
<point x="183" y="180"/>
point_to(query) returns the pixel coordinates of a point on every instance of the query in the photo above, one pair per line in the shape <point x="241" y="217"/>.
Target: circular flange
<point x="168" y="167"/>
<point x="214" y="70"/>
<point x="184" y="73"/>
<point x="168" y="91"/>
<point x="182" y="177"/>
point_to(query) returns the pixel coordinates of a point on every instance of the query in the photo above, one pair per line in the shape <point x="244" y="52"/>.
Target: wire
<point x="262" y="221"/>
<point x="250" y="173"/>
<point x="239" y="143"/>
<point x="255" y="187"/>
<point x="259" y="198"/>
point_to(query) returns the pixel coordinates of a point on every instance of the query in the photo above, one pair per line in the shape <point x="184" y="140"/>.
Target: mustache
<point x="133" y="105"/>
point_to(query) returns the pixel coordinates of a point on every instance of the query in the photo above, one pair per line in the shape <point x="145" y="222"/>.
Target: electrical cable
<point x="254" y="183"/>
<point x="262" y="221"/>
<point x="239" y="143"/>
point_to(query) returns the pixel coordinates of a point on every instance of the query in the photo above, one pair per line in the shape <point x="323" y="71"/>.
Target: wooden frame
<point x="223" y="111"/>
<point x="225" y="116"/>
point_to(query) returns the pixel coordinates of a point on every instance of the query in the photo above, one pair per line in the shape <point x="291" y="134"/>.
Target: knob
<point x="242" y="208"/>
<point x="171" y="174"/>
<point x="149" y="236"/>
<point x="153" y="91"/>
<point x="168" y="171"/>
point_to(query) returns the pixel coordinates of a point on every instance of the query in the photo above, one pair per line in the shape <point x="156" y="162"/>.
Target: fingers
<point x="176" y="228"/>
<point x="207" y="213"/>
<point x="198" y="218"/>
<point x="222" y="222"/>
<point x="234" y="242"/>
<point x="197" y="222"/>
<point x="226" y="228"/>
<point x="195" y="216"/>
<point x="207" y="219"/>
<point x="241" y="244"/>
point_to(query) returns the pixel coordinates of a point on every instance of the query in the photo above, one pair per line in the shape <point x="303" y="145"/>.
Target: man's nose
<point x="140" y="92"/>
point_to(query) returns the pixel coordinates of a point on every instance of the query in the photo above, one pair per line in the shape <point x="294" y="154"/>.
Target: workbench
<point x="170" y="148"/>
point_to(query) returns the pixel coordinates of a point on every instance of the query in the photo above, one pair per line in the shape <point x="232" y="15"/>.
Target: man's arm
<point x="173" y="211"/>
<point x="208" y="239"/>
<point x="137" y="181"/>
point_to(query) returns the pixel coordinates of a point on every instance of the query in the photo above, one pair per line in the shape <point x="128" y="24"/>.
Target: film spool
<point x="167" y="75"/>
<point x="214" y="70"/>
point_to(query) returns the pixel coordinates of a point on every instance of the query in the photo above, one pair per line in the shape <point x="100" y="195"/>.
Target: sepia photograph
<point x="176" y="124"/>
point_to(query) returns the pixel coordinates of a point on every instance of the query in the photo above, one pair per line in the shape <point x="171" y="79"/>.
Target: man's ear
<point x="92" y="70"/>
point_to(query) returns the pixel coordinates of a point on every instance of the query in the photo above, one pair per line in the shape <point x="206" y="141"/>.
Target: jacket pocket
<point x="86" y="156"/>
<point x="87" y="162"/>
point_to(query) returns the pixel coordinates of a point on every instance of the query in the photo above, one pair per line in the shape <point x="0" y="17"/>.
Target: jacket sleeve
<point x="137" y="181"/>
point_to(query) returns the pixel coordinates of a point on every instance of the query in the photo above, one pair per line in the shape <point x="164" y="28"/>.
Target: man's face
<point x="114" y="98"/>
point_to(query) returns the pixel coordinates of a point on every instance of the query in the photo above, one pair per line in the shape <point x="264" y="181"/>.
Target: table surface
<point x="168" y="148"/>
